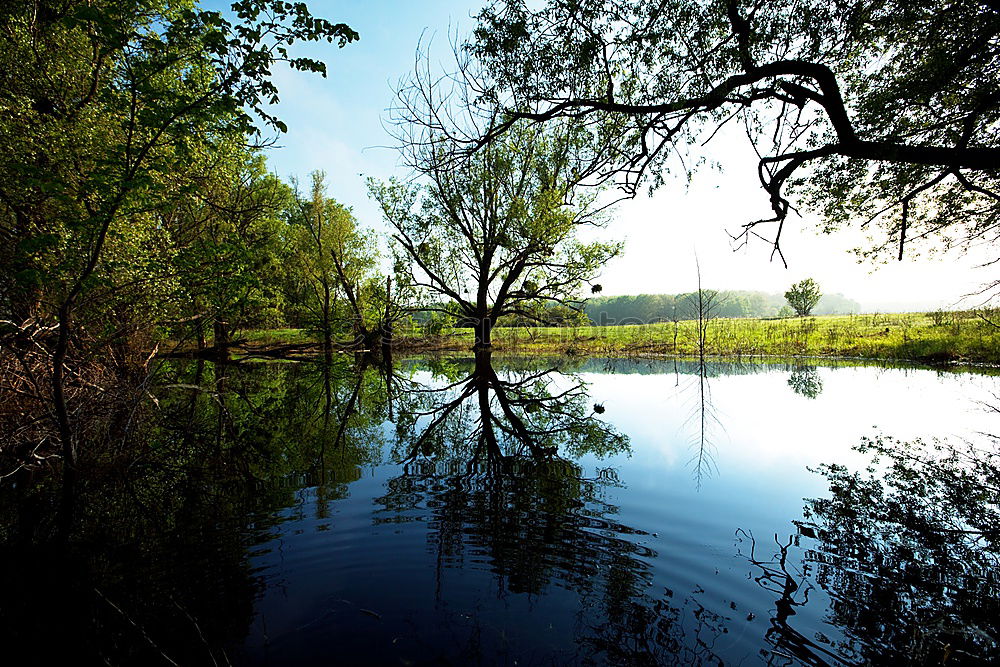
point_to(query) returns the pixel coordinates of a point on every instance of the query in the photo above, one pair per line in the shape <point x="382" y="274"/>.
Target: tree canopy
<point x="496" y="236"/>
<point x="803" y="296"/>
<point x="863" y="111"/>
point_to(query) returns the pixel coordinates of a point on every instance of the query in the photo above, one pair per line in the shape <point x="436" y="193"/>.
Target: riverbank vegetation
<point x="138" y="214"/>
<point x="638" y="308"/>
<point x="935" y="337"/>
<point x="140" y="223"/>
<point x="959" y="336"/>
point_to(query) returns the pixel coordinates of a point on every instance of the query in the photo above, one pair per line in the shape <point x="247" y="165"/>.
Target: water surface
<point x="496" y="512"/>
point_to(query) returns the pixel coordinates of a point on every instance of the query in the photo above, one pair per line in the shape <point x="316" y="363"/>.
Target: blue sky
<point x="336" y="124"/>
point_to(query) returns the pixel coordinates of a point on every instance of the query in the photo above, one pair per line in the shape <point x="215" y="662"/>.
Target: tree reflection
<point x="806" y="381"/>
<point x="908" y="553"/>
<point x="909" y="550"/>
<point x="488" y="465"/>
<point x="703" y="421"/>
<point x="790" y="586"/>
<point x="498" y="471"/>
<point x="146" y="561"/>
<point x="488" y="423"/>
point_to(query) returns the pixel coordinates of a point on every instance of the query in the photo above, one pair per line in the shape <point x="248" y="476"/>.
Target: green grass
<point x="957" y="336"/>
<point x="937" y="337"/>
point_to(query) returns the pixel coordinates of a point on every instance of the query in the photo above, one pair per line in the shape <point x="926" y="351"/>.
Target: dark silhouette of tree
<point x="907" y="550"/>
<point x="868" y="110"/>
<point x="791" y="587"/>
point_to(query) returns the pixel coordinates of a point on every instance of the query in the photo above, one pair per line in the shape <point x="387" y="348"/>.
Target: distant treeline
<point x="667" y="307"/>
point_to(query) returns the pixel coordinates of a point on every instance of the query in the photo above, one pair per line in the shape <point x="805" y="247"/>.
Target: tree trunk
<point x="58" y="382"/>
<point x="484" y="327"/>
<point x="220" y="329"/>
<point x="387" y="328"/>
<point x="326" y="324"/>
<point x="327" y="341"/>
<point x="200" y="330"/>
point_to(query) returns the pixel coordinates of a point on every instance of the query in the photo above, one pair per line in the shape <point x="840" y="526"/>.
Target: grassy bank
<point x="933" y="337"/>
<point x="956" y="336"/>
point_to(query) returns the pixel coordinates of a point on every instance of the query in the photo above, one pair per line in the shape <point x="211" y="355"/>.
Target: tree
<point x="496" y="236"/>
<point x="332" y="257"/>
<point x="336" y="262"/>
<point x="803" y="296"/>
<point x="227" y="235"/>
<point x="103" y="103"/>
<point x="868" y="110"/>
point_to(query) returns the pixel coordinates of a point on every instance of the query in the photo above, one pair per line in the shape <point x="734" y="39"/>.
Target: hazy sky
<point x="336" y="124"/>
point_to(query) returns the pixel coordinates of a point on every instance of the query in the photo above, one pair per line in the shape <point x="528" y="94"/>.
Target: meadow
<point x="940" y="336"/>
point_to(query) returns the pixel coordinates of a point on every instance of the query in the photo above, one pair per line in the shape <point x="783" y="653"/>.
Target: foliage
<point x="114" y="114"/>
<point x="113" y="111"/>
<point x="872" y="110"/>
<point x="335" y="262"/>
<point x="227" y="240"/>
<point x="803" y="296"/>
<point x="497" y="235"/>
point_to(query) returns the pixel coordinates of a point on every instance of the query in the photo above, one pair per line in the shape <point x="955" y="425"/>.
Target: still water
<point x="510" y="512"/>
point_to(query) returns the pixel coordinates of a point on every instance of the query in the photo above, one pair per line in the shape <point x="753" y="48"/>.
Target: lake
<point x="517" y="512"/>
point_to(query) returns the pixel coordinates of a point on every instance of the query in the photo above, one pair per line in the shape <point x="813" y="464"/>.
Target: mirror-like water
<point x="518" y="512"/>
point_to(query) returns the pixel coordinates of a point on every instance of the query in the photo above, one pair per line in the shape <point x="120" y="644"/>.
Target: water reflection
<point x="704" y="424"/>
<point x="910" y="551"/>
<point x="787" y="582"/>
<point x="449" y="510"/>
<point x="487" y="469"/>
<point x="484" y="422"/>
<point x="806" y="381"/>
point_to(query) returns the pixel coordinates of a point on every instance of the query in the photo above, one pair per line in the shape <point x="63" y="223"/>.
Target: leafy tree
<point x="227" y="236"/>
<point x="326" y="248"/>
<point x="336" y="263"/>
<point x="870" y="110"/>
<point x="496" y="236"/>
<point x="104" y="103"/>
<point x="803" y="296"/>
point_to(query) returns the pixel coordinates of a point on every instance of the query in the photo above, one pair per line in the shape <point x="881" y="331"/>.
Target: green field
<point x="962" y="336"/>
<point x="958" y="336"/>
